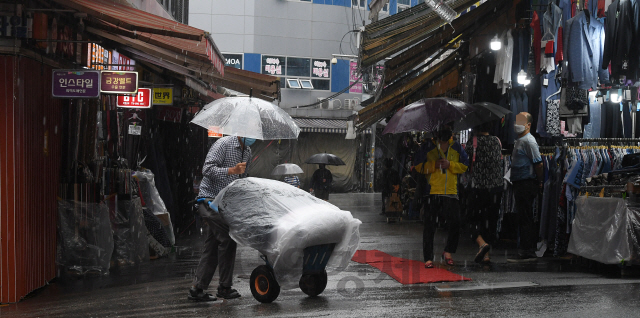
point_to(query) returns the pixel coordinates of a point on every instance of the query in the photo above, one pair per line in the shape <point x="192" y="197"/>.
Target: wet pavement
<point x="548" y="288"/>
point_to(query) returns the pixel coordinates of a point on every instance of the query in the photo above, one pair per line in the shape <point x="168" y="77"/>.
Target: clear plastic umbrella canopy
<point x="247" y="117"/>
<point x="286" y="168"/>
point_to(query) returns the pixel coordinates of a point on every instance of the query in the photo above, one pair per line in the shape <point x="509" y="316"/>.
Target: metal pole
<point x="372" y="158"/>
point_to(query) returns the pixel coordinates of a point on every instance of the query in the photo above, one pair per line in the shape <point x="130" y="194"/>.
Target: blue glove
<point x="213" y="206"/>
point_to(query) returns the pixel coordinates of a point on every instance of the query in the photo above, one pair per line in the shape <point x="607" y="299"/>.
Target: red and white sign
<point x="214" y="58"/>
<point x="140" y="100"/>
<point x="169" y="113"/>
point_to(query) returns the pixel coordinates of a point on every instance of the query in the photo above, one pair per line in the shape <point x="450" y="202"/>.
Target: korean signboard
<point x="120" y="61"/>
<point x="354" y="74"/>
<point x="215" y="132"/>
<point x="233" y="60"/>
<point x="98" y="57"/>
<point x="140" y="100"/>
<point x="273" y="65"/>
<point x="119" y="82"/>
<point x="321" y="69"/>
<point x="76" y="84"/>
<point x="163" y="96"/>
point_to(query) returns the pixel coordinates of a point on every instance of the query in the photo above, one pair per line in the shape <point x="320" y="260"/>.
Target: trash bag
<point x="129" y="233"/>
<point x="280" y="221"/>
<point x="153" y="202"/>
<point x="85" y="240"/>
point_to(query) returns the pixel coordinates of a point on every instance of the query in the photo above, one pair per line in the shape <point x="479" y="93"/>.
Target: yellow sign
<point x="163" y="96"/>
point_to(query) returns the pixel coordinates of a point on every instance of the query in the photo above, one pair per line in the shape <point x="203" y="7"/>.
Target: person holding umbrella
<point x="441" y="160"/>
<point x="289" y="171"/>
<point x="243" y="120"/>
<point x="322" y="178"/>
<point x="321" y="182"/>
<point x="223" y="165"/>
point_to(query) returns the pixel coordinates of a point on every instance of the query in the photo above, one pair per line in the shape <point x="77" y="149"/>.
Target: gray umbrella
<point x="247" y="117"/>
<point x="326" y="159"/>
<point x="286" y="168"/>
<point x="484" y="112"/>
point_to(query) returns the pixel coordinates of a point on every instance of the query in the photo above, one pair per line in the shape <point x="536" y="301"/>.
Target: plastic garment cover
<point x="280" y="221"/>
<point x="86" y="242"/>
<point x="606" y="230"/>
<point x="154" y="204"/>
<point x="129" y="233"/>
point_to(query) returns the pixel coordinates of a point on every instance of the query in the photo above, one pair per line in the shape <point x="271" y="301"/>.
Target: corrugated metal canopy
<point x="119" y="16"/>
<point x="332" y="126"/>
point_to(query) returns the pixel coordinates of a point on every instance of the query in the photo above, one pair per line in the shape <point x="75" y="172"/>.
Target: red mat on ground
<point x="405" y="271"/>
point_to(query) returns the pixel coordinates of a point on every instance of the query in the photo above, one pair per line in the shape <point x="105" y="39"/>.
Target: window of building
<point x="306" y="84"/>
<point x="293" y="83"/>
<point x="403" y="5"/>
<point x="323" y="85"/>
<point x="273" y="65"/>
<point x="298" y="66"/>
<point x="359" y="3"/>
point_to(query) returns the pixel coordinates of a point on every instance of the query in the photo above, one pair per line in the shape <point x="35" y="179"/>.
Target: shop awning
<point x="137" y="24"/>
<point x="423" y="69"/>
<point x="331" y="126"/>
<point x="188" y="64"/>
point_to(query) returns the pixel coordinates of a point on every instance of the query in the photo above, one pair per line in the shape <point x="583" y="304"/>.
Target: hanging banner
<point x="354" y="74"/>
<point x="119" y="82"/>
<point x="140" y="100"/>
<point x="169" y="113"/>
<point x="75" y="84"/>
<point x="163" y="96"/>
<point x="120" y="61"/>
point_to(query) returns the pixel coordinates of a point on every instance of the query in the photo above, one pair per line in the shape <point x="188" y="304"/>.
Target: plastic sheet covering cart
<point x="606" y="230"/>
<point x="298" y="235"/>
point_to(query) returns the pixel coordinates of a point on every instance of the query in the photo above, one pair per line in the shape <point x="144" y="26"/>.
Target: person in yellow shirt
<point x="441" y="160"/>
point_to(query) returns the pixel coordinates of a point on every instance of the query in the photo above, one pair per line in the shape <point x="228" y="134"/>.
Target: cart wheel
<point x="313" y="284"/>
<point x="264" y="286"/>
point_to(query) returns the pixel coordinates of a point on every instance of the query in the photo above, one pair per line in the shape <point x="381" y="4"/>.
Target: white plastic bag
<point x="280" y="221"/>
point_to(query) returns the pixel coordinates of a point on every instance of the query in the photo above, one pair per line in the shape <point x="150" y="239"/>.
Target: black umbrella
<point x="326" y="159"/>
<point x="427" y="115"/>
<point x="483" y="113"/>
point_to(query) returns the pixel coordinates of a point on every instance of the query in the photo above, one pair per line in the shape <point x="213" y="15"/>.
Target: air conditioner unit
<point x="324" y="103"/>
<point x="348" y="104"/>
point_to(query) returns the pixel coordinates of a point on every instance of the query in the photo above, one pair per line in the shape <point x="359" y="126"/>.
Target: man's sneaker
<point x="198" y="294"/>
<point x="227" y="293"/>
<point x="523" y="258"/>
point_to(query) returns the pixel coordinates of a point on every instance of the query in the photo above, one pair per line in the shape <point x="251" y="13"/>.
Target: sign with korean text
<point x="119" y="82"/>
<point x="354" y="74"/>
<point x="273" y="65"/>
<point x="163" y="96"/>
<point x="120" y="61"/>
<point x="321" y="69"/>
<point x="75" y="84"/>
<point x="140" y="100"/>
<point x="169" y="113"/>
<point x="215" y="132"/>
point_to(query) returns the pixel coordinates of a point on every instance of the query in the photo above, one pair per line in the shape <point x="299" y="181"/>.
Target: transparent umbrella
<point x="285" y="169"/>
<point x="247" y="117"/>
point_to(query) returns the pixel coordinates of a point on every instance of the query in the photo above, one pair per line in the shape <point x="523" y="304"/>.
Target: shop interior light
<point x="615" y="97"/>
<point x="495" y="43"/>
<point x="522" y="77"/>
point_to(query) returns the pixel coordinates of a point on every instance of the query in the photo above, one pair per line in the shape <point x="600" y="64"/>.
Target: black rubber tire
<point x="263" y="284"/>
<point x="313" y="284"/>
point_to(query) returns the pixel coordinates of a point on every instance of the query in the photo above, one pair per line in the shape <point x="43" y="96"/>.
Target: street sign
<point x="140" y="100"/>
<point x="75" y="84"/>
<point x="163" y="96"/>
<point x="119" y="82"/>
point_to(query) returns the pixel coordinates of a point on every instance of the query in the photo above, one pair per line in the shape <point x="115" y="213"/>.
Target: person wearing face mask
<point x="226" y="162"/>
<point x="526" y="176"/>
<point x="441" y="160"/>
